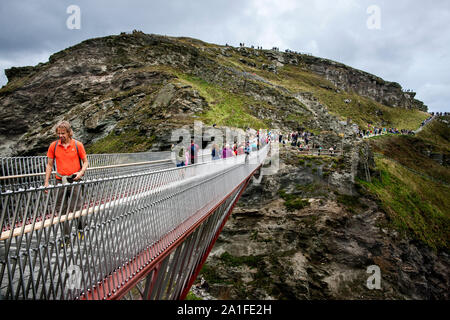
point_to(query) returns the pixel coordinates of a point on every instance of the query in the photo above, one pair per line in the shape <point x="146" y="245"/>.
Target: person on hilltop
<point x="71" y="162"/>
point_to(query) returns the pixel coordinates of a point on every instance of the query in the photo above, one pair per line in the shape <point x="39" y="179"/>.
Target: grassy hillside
<point x="237" y="84"/>
<point x="414" y="189"/>
<point x="415" y="205"/>
<point x="437" y="133"/>
<point x="226" y="108"/>
<point x="361" y="110"/>
<point x="411" y="151"/>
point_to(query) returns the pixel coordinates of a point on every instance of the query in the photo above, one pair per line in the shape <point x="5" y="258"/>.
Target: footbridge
<point x="136" y="227"/>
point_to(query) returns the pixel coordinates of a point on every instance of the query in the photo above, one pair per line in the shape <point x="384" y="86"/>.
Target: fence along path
<point x="125" y="216"/>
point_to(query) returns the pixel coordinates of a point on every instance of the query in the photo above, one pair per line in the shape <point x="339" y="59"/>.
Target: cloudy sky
<point x="403" y="41"/>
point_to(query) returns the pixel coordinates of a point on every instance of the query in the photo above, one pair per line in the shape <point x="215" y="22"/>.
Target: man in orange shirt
<point x="67" y="153"/>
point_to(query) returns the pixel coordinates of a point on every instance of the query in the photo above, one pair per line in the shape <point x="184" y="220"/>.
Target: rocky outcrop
<point x="364" y="84"/>
<point x="99" y="85"/>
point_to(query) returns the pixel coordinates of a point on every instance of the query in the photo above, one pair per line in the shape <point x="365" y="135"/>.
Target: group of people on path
<point x="376" y="131"/>
<point x="296" y="138"/>
<point x="70" y="158"/>
<point x="424" y="122"/>
<point x="71" y="161"/>
<point x="303" y="140"/>
<point x="188" y="156"/>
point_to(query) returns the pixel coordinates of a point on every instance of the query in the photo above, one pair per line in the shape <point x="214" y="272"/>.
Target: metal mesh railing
<point x="30" y="171"/>
<point x="94" y="227"/>
<point x="24" y="172"/>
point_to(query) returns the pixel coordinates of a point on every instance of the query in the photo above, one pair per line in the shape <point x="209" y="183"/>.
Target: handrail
<point x="88" y="169"/>
<point x="36" y="179"/>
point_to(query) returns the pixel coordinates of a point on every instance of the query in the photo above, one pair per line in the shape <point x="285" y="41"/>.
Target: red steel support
<point x="154" y="276"/>
<point x="211" y="245"/>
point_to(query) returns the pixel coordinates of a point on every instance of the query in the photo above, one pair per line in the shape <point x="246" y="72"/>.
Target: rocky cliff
<point x="137" y="87"/>
<point x="364" y="84"/>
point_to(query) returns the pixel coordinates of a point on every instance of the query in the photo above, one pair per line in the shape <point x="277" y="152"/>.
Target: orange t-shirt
<point x="67" y="159"/>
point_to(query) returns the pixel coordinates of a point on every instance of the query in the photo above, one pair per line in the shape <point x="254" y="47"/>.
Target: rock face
<point x="364" y="84"/>
<point x="322" y="251"/>
<point x="108" y="86"/>
<point x="96" y="85"/>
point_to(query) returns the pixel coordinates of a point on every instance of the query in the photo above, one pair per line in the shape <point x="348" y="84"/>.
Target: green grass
<point x="409" y="151"/>
<point x="225" y="108"/>
<point x="128" y="141"/>
<point x="235" y="261"/>
<point x="352" y="203"/>
<point x="363" y="111"/>
<point x="437" y="133"/>
<point x="293" y="202"/>
<point x="212" y="276"/>
<point x="360" y="110"/>
<point x="191" y="296"/>
<point x="415" y="205"/>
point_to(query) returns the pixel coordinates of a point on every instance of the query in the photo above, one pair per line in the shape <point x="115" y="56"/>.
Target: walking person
<point x="180" y="156"/>
<point x="193" y="152"/>
<point x="71" y="164"/>
<point x="247" y="150"/>
<point x="214" y="152"/>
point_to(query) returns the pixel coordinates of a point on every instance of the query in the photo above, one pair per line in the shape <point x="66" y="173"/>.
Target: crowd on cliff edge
<point x="190" y="155"/>
<point x="376" y="131"/>
<point x="303" y="140"/>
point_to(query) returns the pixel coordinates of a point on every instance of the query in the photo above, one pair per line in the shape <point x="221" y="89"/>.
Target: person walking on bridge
<point x="247" y="151"/>
<point x="193" y="148"/>
<point x="180" y="155"/>
<point x="71" y="164"/>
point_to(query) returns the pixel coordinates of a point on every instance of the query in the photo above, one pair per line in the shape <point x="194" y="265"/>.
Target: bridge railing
<point x="11" y="166"/>
<point x="30" y="171"/>
<point x="43" y="254"/>
<point x="23" y="172"/>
